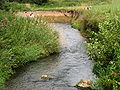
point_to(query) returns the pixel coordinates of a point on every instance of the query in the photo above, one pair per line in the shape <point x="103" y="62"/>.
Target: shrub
<point x="102" y="27"/>
<point x="23" y="40"/>
<point x="105" y="49"/>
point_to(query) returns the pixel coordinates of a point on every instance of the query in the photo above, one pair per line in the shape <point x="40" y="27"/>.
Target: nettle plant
<point x="104" y="48"/>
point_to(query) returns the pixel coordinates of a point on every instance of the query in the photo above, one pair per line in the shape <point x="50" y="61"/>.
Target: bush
<point x="105" y="50"/>
<point x="23" y="40"/>
<point x="102" y="27"/>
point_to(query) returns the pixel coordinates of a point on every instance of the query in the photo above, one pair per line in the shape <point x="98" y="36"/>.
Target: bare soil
<point x="50" y="16"/>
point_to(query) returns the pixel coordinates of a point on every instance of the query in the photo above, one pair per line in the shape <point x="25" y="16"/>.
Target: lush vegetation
<point x="105" y="50"/>
<point x="101" y="26"/>
<point x="26" y="39"/>
<point x="67" y="4"/>
<point x="39" y="2"/>
<point x="71" y="3"/>
<point x="20" y="5"/>
<point x="13" y="6"/>
<point x="23" y="40"/>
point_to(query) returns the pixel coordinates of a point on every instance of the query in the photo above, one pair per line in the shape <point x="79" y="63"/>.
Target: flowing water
<point x="67" y="68"/>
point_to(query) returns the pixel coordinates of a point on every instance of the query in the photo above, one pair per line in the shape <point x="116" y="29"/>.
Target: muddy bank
<point x="55" y="16"/>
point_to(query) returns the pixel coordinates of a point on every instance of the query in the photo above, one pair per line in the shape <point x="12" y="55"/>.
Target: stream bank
<point x="67" y="68"/>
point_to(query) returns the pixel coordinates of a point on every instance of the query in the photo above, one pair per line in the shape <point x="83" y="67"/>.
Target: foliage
<point x="102" y="27"/>
<point x="67" y="4"/>
<point x="19" y="5"/>
<point x="3" y="5"/>
<point x="46" y="4"/>
<point x="23" y="40"/>
<point x="75" y="23"/>
<point x="105" y="50"/>
<point x="39" y="2"/>
<point x="13" y="6"/>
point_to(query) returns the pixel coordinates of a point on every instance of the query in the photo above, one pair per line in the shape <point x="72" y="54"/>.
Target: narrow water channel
<point x="67" y="68"/>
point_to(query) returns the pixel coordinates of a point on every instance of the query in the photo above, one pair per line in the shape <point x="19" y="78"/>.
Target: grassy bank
<point x="101" y="26"/>
<point x="23" y="40"/>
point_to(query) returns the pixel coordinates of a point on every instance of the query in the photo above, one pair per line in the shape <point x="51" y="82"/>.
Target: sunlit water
<point x="67" y="68"/>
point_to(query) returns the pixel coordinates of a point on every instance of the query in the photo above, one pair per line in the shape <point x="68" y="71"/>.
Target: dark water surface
<point x="67" y="68"/>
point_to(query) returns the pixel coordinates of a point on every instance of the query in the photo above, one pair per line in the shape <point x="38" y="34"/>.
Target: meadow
<point x="67" y="4"/>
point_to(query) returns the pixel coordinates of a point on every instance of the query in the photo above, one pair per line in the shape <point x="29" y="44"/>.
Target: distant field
<point x="115" y="5"/>
<point x="68" y="4"/>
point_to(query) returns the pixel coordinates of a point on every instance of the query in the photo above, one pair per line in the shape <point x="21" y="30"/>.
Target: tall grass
<point x="23" y="40"/>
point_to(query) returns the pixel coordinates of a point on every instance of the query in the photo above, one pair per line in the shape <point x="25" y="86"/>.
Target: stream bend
<point x="67" y="68"/>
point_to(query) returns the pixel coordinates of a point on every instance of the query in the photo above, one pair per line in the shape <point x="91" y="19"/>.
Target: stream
<point x="67" y="68"/>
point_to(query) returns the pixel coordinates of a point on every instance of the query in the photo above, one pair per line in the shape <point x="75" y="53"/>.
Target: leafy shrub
<point x="105" y="49"/>
<point x="102" y="27"/>
<point x="23" y="40"/>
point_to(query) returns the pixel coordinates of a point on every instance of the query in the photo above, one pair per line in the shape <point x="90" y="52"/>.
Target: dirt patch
<point x="50" y="16"/>
<point x="53" y="15"/>
<point x="49" y="13"/>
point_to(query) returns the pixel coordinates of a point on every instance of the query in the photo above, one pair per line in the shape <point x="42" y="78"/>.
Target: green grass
<point x="108" y="7"/>
<point x="51" y="5"/>
<point x="101" y="25"/>
<point x="54" y="8"/>
<point x="13" y="6"/>
<point x="23" y="40"/>
<point x="66" y="4"/>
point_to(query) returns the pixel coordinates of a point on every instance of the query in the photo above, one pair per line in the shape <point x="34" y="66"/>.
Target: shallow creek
<point x="67" y="68"/>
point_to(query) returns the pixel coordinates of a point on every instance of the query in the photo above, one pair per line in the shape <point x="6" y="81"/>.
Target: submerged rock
<point x="46" y="77"/>
<point x="84" y="84"/>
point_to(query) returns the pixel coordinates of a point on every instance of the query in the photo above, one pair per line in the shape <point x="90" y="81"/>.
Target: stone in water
<point x="84" y="84"/>
<point x="46" y="77"/>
